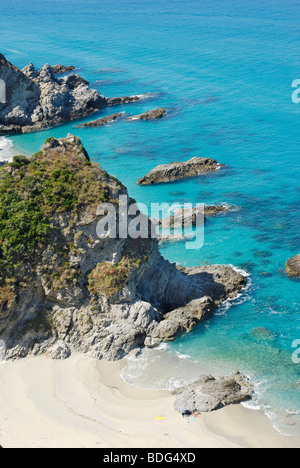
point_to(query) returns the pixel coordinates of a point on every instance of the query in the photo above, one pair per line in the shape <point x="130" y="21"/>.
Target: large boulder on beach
<point x="179" y="170"/>
<point x="210" y="393"/>
<point x="293" y="266"/>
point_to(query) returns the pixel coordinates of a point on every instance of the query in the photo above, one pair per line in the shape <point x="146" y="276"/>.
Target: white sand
<point x="81" y="402"/>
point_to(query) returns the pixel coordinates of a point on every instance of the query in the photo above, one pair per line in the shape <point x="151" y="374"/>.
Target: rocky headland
<point x="64" y="289"/>
<point x="36" y="100"/>
<point x="189" y="216"/>
<point x="293" y="266"/>
<point x="179" y="170"/>
<point x="62" y="69"/>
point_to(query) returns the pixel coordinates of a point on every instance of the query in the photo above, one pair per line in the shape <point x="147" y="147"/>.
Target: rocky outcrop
<point x="189" y="216"/>
<point x="150" y="115"/>
<point x="293" y="266"/>
<point x="61" y="69"/>
<point x="103" y="121"/>
<point x="36" y="100"/>
<point x="63" y="288"/>
<point x="210" y="393"/>
<point x="179" y="170"/>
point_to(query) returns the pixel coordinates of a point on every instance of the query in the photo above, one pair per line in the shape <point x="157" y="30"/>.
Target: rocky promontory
<point x="38" y="99"/>
<point x="293" y="266"/>
<point x="64" y="289"/>
<point x="209" y="394"/>
<point x="179" y="170"/>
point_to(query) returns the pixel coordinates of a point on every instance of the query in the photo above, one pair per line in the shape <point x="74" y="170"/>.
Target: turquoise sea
<point x="224" y="69"/>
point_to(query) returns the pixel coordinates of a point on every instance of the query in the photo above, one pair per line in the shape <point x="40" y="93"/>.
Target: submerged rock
<point x="116" y="101"/>
<point x="63" y="288"/>
<point x="210" y="393"/>
<point x="293" y="266"/>
<point x="264" y="334"/>
<point x="150" y="115"/>
<point x="179" y="170"/>
<point x="103" y="121"/>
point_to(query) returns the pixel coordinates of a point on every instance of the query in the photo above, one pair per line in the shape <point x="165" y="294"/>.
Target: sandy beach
<point x="82" y="402"/>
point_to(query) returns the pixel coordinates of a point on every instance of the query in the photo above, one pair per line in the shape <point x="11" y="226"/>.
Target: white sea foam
<point x="6" y="149"/>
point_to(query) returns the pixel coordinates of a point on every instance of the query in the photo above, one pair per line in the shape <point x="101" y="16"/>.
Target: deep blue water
<point x="224" y="69"/>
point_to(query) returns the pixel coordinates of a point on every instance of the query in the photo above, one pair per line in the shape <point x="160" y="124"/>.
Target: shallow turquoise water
<point x="224" y="69"/>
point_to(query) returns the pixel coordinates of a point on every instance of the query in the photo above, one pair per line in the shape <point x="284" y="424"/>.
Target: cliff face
<point x="37" y="100"/>
<point x="63" y="288"/>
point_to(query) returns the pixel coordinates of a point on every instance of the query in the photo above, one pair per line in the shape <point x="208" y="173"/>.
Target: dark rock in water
<point x="238" y="254"/>
<point x="74" y="290"/>
<point x="100" y="122"/>
<point x="36" y="100"/>
<point x="210" y="393"/>
<point x="116" y="101"/>
<point x="179" y="170"/>
<point x="61" y="69"/>
<point x="263" y="254"/>
<point x="177" y="194"/>
<point x="265" y="274"/>
<point x="150" y="115"/>
<point x="189" y="216"/>
<point x="293" y="266"/>
<point x="74" y="81"/>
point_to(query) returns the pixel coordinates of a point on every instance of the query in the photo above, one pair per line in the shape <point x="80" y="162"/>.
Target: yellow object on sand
<point x="160" y="418"/>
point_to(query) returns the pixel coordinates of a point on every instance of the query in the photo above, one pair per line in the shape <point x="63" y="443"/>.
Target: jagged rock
<point x="103" y="121"/>
<point x="293" y="266"/>
<point x="75" y="291"/>
<point x="179" y="170"/>
<point x="210" y="393"/>
<point x="61" y="69"/>
<point x="36" y="100"/>
<point x="74" y="81"/>
<point x="189" y="216"/>
<point x="116" y="101"/>
<point x="150" y="115"/>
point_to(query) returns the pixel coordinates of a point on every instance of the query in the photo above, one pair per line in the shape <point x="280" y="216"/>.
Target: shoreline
<point x="82" y="402"/>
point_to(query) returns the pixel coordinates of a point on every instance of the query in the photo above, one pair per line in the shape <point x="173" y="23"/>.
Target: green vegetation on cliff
<point x="34" y="192"/>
